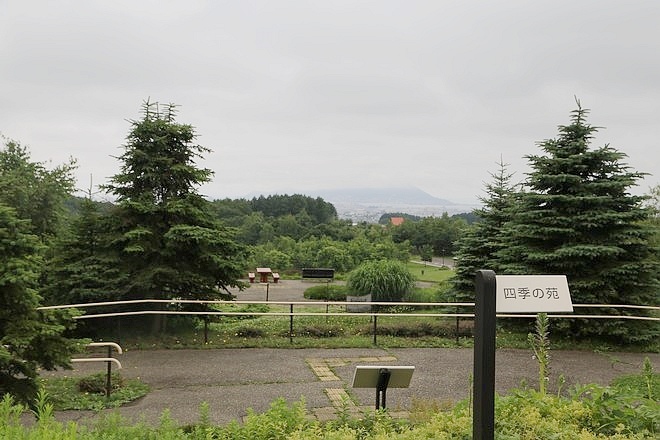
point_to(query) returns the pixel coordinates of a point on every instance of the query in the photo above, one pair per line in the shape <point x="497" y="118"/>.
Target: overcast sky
<point x="294" y="96"/>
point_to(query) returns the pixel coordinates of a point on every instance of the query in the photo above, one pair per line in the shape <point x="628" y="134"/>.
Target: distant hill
<point x="369" y="204"/>
<point x="379" y="196"/>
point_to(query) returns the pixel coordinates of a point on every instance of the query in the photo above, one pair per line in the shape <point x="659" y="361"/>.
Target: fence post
<point x="458" y="326"/>
<point x="291" y="323"/>
<point x="108" y="379"/>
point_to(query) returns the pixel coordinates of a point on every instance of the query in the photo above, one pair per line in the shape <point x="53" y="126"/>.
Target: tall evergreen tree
<point x="81" y="269"/>
<point x="578" y="218"/>
<point x="34" y="191"/>
<point x="653" y="204"/>
<point x="29" y="338"/>
<point x="167" y="239"/>
<point x="479" y="245"/>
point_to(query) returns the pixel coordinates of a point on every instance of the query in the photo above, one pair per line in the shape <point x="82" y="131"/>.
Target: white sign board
<point x="532" y="294"/>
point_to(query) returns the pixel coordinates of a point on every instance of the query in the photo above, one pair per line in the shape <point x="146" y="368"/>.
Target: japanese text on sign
<point x="526" y="292"/>
<point x="532" y="294"/>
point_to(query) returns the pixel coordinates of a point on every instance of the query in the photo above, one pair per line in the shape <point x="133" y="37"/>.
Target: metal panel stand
<point x="381" y="387"/>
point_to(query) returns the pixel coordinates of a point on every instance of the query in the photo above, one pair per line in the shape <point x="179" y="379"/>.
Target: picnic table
<point x="264" y="272"/>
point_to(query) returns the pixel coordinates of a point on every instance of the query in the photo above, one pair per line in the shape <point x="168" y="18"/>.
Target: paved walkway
<point x="233" y="380"/>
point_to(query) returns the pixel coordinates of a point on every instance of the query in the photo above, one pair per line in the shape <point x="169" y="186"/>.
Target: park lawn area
<point x="428" y="273"/>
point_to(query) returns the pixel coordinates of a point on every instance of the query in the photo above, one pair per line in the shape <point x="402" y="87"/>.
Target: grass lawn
<point x="428" y="273"/>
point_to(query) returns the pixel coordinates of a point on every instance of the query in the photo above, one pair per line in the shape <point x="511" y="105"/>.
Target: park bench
<point x="276" y="277"/>
<point x="251" y="277"/>
<point x="317" y="273"/>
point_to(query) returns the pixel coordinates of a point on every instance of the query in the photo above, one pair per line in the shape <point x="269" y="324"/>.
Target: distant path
<point x="437" y="262"/>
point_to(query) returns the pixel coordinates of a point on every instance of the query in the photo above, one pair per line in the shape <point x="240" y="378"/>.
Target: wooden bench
<point x="317" y="273"/>
<point x="251" y="277"/>
<point x="276" y="277"/>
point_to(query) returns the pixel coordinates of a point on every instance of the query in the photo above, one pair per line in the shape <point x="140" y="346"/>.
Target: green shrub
<point x="423" y="295"/>
<point x="88" y="393"/>
<point x="646" y="383"/>
<point x="278" y="423"/>
<point x="411" y="330"/>
<point x="250" y="332"/>
<point x="523" y="414"/>
<point x="321" y="331"/>
<point x="385" y="280"/>
<point x="247" y="308"/>
<point x="326" y="292"/>
<point x="96" y="383"/>
<point x="629" y="405"/>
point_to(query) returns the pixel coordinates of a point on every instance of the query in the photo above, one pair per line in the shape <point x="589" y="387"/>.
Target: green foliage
<point x="247" y="308"/>
<point x="386" y="218"/>
<point x="88" y="393"/>
<point x="343" y="256"/>
<point x="165" y="238"/>
<point x="438" y="232"/>
<point x="412" y="329"/>
<point x="279" y="422"/>
<point x="578" y="219"/>
<point x="385" y="280"/>
<point x="424" y="295"/>
<point x="265" y="218"/>
<point x="540" y="344"/>
<point x="29" y="338"/>
<point x="321" y="330"/>
<point x="620" y="409"/>
<point x="326" y="292"/>
<point x="96" y="383"/>
<point x="431" y="274"/>
<point x="80" y="268"/>
<point x="316" y="209"/>
<point x="523" y="414"/>
<point x="426" y="252"/>
<point x="646" y="384"/>
<point x="480" y="243"/>
<point x="35" y="192"/>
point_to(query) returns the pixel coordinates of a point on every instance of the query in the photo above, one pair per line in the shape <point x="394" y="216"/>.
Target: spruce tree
<point x="480" y="243"/>
<point x="81" y="268"/>
<point x="165" y="236"/>
<point x="578" y="218"/>
<point x="29" y="338"/>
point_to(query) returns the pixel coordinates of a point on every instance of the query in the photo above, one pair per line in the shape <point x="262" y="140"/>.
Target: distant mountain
<point x="369" y="204"/>
<point x="380" y="196"/>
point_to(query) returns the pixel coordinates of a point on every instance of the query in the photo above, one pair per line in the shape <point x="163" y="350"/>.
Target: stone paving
<point x="339" y="398"/>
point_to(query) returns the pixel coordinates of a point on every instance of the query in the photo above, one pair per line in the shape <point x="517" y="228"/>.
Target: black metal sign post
<point x="381" y="387"/>
<point x="382" y="377"/>
<point x="483" y="422"/>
